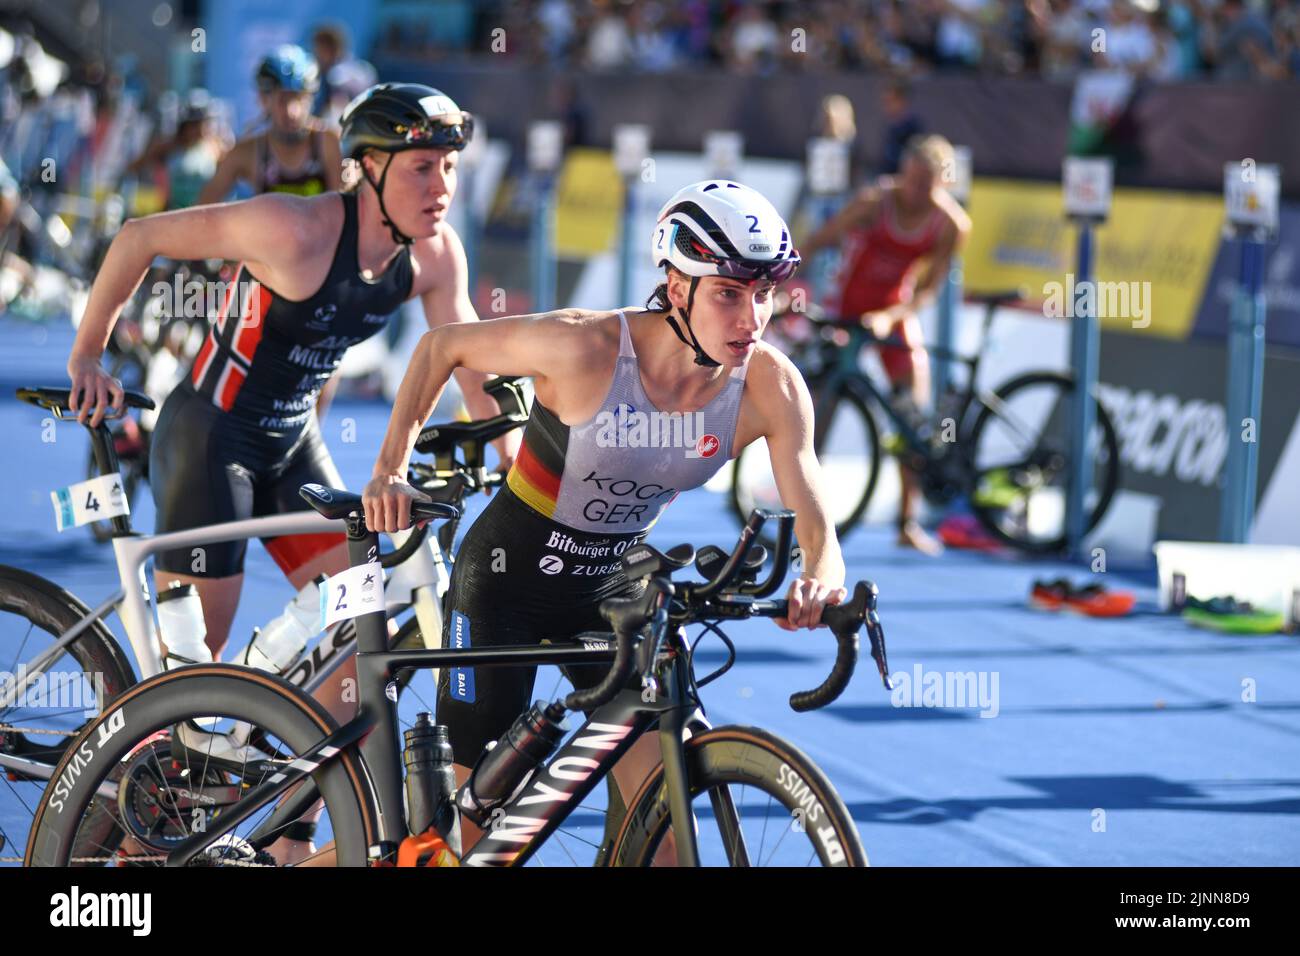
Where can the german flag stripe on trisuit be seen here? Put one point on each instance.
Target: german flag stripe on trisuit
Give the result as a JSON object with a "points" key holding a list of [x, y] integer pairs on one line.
{"points": [[539, 466]]}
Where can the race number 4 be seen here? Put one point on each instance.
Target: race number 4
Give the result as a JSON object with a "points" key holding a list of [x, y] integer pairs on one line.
{"points": [[94, 500], [351, 593]]}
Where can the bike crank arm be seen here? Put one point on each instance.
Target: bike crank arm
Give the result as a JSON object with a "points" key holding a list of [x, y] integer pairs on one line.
{"points": [[279, 782]]}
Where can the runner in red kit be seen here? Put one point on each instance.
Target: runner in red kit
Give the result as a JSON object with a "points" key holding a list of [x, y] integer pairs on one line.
{"points": [[897, 239]]}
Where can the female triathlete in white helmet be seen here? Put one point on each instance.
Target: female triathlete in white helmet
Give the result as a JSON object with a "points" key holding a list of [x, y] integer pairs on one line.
{"points": [[626, 417]]}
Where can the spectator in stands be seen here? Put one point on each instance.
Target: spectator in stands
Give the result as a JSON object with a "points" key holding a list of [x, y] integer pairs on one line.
{"points": [[1168, 64], [609, 45], [1162, 39], [957, 43], [883, 43], [1238, 42], [1183, 18], [559, 28], [1130, 44], [1062, 32], [652, 45], [1286, 38], [902, 124], [752, 40]]}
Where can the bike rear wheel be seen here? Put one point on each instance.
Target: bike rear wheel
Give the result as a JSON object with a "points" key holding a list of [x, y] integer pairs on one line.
{"points": [[38, 726], [1020, 455], [757, 801], [138, 793], [847, 443]]}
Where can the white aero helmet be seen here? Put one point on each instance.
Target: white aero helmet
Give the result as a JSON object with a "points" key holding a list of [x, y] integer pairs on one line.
{"points": [[720, 228]]}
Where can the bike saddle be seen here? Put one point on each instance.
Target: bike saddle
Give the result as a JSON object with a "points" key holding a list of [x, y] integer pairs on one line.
{"points": [[56, 399], [336, 503], [508, 390], [445, 438]]}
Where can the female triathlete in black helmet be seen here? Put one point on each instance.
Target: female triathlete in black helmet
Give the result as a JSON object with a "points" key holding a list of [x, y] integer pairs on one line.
{"points": [[238, 436]]}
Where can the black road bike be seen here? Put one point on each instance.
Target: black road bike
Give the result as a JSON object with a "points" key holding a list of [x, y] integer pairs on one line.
{"points": [[1006, 449], [737, 796]]}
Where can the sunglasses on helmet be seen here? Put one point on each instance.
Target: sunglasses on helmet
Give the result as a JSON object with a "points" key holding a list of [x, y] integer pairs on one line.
{"points": [[437, 135], [744, 270], [750, 270]]}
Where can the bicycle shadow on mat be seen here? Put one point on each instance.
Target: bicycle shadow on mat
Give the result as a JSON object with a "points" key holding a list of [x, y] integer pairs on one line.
{"points": [[1084, 793]]}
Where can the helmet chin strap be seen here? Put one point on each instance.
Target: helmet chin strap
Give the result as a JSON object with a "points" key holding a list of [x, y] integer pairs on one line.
{"points": [[701, 357], [399, 237]]}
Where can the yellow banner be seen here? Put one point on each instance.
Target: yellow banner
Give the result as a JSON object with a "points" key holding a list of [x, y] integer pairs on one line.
{"points": [[588, 204], [1157, 249]]}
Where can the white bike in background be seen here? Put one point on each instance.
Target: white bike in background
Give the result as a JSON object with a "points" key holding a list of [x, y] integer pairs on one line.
{"points": [[60, 664]]}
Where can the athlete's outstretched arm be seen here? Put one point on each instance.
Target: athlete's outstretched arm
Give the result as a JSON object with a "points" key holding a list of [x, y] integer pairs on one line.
{"points": [[787, 412], [230, 169], [266, 229], [541, 346]]}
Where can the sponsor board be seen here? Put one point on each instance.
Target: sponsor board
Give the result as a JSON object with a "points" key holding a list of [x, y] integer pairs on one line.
{"points": [[1281, 285], [1166, 238], [1166, 400]]}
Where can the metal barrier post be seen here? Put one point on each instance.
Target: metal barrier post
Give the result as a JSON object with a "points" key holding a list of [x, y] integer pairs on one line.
{"points": [[950, 293], [631, 147], [1087, 203], [545, 152], [1251, 200]]}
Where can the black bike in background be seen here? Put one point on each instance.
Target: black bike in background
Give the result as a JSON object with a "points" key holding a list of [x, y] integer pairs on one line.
{"points": [[737, 796], [1007, 450]]}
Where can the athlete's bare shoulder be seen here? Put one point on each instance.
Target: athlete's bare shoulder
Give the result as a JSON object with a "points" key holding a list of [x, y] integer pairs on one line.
{"points": [[866, 203], [314, 222], [772, 374], [439, 259], [598, 329]]}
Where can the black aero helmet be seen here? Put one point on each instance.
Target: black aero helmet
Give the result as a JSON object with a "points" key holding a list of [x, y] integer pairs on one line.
{"points": [[393, 117]]}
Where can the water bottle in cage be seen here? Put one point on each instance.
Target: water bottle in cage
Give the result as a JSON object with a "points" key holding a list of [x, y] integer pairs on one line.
{"points": [[277, 647]]}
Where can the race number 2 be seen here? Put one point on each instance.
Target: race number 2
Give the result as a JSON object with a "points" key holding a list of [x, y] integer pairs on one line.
{"points": [[351, 593], [96, 499]]}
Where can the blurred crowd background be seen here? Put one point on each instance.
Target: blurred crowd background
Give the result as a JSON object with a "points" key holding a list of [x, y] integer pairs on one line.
{"points": [[1182, 39], [118, 108]]}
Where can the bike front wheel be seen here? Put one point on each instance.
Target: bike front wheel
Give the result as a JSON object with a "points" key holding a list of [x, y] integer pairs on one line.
{"points": [[757, 801], [1020, 462]]}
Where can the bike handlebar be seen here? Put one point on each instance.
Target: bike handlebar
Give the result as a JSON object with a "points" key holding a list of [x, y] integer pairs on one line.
{"points": [[627, 616], [720, 599]]}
